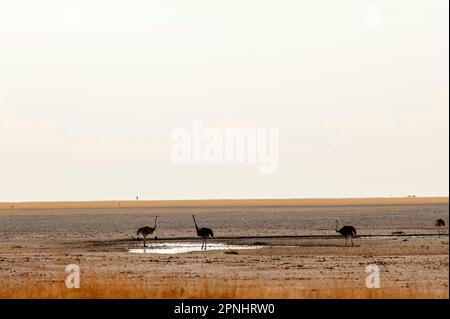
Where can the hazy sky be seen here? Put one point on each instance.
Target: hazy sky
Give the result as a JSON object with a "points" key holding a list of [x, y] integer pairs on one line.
{"points": [[91, 90]]}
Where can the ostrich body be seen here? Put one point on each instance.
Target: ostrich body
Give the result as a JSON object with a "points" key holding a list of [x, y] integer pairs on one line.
{"points": [[204, 233], [347, 232], [439, 223], [145, 231]]}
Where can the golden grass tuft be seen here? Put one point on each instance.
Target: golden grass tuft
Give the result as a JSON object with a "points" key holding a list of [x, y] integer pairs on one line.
{"points": [[121, 288]]}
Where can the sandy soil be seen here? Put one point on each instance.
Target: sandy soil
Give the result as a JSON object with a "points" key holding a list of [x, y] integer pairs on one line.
{"points": [[300, 245]]}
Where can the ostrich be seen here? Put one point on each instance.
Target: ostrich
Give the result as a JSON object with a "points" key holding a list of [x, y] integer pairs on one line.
{"points": [[203, 232], [440, 223], [145, 231], [347, 232]]}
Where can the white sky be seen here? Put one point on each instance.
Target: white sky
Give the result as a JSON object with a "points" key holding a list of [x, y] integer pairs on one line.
{"points": [[90, 91]]}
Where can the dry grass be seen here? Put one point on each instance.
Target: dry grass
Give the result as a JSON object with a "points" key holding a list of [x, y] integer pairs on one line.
{"points": [[13, 208], [118, 288]]}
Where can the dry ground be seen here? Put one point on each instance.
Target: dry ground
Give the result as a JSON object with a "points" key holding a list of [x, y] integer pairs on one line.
{"points": [[38, 241]]}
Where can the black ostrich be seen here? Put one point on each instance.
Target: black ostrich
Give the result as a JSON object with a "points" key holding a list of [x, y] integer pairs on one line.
{"points": [[203, 232], [145, 231], [347, 232], [440, 223]]}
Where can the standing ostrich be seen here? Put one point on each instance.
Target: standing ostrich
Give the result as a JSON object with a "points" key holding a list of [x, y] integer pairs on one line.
{"points": [[347, 232], [203, 232], [145, 231], [440, 223]]}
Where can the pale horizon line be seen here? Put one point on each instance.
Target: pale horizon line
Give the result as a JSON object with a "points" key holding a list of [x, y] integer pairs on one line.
{"points": [[286, 200]]}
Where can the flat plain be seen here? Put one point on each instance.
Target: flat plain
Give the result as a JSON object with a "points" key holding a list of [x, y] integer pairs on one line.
{"points": [[296, 254]]}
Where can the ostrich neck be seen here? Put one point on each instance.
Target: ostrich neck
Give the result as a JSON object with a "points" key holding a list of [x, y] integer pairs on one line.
{"points": [[195, 223]]}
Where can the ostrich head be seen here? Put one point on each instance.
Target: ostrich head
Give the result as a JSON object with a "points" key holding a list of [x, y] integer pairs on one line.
{"points": [[337, 223]]}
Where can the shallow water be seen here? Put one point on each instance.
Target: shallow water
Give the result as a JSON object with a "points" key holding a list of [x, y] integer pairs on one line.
{"points": [[182, 248]]}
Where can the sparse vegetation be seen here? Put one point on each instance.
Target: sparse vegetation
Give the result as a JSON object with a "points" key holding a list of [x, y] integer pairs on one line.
{"points": [[207, 288]]}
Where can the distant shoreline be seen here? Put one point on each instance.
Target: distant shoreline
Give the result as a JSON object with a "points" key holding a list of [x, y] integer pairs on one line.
{"points": [[11, 206]]}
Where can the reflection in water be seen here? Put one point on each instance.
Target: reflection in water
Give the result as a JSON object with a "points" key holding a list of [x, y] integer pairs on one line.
{"points": [[181, 248]]}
